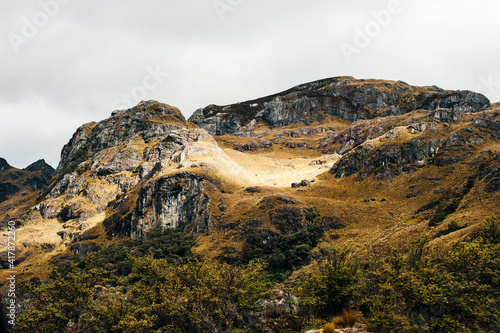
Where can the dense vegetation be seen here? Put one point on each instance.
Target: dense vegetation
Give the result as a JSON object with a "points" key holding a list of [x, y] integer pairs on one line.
{"points": [[157, 285], [282, 253]]}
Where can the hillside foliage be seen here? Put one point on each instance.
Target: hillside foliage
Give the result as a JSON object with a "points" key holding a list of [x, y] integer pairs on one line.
{"points": [[150, 285]]}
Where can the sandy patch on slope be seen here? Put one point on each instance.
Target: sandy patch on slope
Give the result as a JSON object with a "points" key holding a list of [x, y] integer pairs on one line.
{"points": [[277, 172]]}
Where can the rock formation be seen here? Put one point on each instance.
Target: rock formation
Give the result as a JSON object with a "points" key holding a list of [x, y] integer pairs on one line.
{"points": [[342, 97], [120, 167]]}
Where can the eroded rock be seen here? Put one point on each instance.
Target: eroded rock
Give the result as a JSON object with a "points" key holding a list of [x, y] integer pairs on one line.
{"points": [[171, 201]]}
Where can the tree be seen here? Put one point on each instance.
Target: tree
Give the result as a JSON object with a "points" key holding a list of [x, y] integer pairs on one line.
{"points": [[196, 296], [58, 304]]}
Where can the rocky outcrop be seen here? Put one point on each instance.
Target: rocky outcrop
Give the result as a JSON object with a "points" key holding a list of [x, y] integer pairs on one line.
{"points": [[45, 174], [148, 120], [42, 166], [387, 160], [218, 124], [126, 166], [280, 302], [365, 130], [82, 249], [489, 120], [457, 146], [4, 166], [252, 146], [121, 144], [343, 97], [444, 115], [171, 201], [355, 135], [49, 209], [387, 156]]}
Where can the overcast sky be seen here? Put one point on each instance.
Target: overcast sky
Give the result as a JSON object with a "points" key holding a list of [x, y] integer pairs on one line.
{"points": [[67, 62]]}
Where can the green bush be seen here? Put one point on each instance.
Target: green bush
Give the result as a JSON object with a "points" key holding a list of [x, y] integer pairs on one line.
{"points": [[169, 244], [160, 285], [283, 253], [457, 291], [490, 230], [328, 288]]}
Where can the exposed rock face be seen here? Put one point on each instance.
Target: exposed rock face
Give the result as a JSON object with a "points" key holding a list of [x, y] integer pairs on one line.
{"points": [[120, 143], [126, 167], [355, 135], [49, 209], [445, 115], [171, 201], [41, 165], [489, 121], [217, 125], [149, 120], [343, 97], [252, 146], [280, 301], [82, 249], [387, 156], [4, 165], [388, 160]]}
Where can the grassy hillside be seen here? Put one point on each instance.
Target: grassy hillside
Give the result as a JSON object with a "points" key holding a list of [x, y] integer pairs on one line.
{"points": [[307, 224]]}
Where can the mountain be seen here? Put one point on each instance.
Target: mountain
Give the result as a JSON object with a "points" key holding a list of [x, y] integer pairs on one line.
{"points": [[18, 188], [356, 150], [342, 97], [369, 163]]}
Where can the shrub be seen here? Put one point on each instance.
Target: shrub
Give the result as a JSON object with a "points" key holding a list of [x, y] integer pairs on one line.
{"points": [[329, 328], [283, 253], [311, 213], [349, 318], [452, 227], [490, 231], [327, 289]]}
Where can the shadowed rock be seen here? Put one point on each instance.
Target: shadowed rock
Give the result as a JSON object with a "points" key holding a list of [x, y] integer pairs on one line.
{"points": [[343, 97]]}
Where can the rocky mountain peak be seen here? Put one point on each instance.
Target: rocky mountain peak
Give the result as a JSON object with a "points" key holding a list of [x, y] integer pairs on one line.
{"points": [[149, 120], [40, 165], [372, 163], [22, 182], [128, 161], [4, 165], [342, 97], [150, 110]]}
